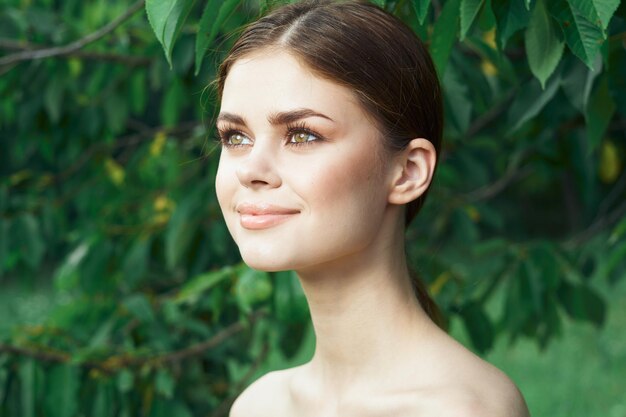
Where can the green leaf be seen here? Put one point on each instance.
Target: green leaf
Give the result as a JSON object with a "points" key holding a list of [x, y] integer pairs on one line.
{"points": [[517, 309], [138, 94], [543, 257], [575, 75], [582, 303], [179, 231], [164, 383], [125, 381], [139, 306], [615, 260], [421, 9], [619, 230], [116, 112], [66, 276], [53, 97], [469, 10], [5, 228], [136, 261], [214, 15], [102, 336], [445, 33], [194, 288], [458, 105], [168, 408], [167, 18], [173, 103], [543, 45], [28, 236], [599, 113], [61, 396], [27, 374], [479, 327], [93, 269], [617, 81], [4, 376], [104, 402], [529, 272], [531, 99], [597, 11], [583, 36], [252, 286]]}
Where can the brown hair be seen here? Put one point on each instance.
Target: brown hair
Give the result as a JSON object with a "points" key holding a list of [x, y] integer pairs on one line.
{"points": [[360, 46]]}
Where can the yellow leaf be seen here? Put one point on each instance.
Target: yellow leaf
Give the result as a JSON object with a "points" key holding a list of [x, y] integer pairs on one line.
{"points": [[160, 219], [472, 213], [490, 38], [163, 204], [610, 164], [45, 180], [440, 281], [115, 171], [76, 67], [156, 147], [488, 68], [20, 176]]}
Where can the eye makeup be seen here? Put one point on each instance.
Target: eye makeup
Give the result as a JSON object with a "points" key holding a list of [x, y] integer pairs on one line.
{"points": [[232, 137]]}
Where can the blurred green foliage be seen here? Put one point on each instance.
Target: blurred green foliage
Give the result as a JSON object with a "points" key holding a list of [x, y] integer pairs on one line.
{"points": [[107, 168]]}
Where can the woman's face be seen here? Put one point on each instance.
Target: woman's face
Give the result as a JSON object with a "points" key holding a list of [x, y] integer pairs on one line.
{"points": [[302, 178]]}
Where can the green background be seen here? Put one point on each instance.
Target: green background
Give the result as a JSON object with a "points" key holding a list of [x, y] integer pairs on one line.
{"points": [[122, 293]]}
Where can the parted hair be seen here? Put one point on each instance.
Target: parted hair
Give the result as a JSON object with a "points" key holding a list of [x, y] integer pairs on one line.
{"points": [[360, 46]]}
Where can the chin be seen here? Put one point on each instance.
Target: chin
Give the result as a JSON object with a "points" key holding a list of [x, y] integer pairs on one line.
{"points": [[266, 259], [267, 265]]}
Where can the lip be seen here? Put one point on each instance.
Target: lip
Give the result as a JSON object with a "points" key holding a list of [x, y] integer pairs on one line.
{"points": [[257, 216]]}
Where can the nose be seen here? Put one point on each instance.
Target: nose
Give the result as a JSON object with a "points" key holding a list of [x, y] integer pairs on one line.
{"points": [[258, 169]]}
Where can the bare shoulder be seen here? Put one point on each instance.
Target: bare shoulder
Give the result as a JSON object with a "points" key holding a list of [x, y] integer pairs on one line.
{"points": [[488, 394], [468, 386], [263, 396], [504, 400]]}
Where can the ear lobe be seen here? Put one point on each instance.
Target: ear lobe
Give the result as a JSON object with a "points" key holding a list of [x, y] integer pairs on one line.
{"points": [[415, 168]]}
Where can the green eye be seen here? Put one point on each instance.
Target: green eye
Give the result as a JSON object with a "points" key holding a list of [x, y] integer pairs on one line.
{"points": [[237, 139], [302, 137]]}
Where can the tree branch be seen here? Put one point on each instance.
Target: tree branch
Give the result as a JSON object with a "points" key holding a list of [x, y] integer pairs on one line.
{"points": [[114, 363], [121, 142], [199, 348], [513, 173], [492, 114], [131, 60], [598, 225], [45, 356], [30, 55]]}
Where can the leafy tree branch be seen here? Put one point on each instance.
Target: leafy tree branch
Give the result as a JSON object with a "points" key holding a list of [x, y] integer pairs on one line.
{"points": [[30, 55]]}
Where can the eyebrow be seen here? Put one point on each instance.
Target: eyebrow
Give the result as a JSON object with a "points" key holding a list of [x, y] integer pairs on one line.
{"points": [[232, 118], [282, 118], [279, 118]]}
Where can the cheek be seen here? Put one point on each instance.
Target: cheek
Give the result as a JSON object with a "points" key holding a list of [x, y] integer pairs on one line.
{"points": [[354, 183], [224, 183]]}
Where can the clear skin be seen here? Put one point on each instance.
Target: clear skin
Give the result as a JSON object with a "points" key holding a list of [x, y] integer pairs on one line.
{"points": [[331, 208]]}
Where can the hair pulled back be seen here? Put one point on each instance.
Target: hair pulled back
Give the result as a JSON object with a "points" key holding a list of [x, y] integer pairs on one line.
{"points": [[358, 45]]}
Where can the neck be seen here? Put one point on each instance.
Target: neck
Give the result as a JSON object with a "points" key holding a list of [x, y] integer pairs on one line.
{"points": [[365, 315]]}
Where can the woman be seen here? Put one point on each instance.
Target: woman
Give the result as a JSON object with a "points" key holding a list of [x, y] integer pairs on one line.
{"points": [[331, 124]]}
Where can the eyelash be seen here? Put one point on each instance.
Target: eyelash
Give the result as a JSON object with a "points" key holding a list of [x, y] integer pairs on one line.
{"points": [[225, 132], [302, 127]]}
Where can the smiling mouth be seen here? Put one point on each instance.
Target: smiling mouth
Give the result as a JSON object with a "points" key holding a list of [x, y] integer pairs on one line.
{"points": [[263, 216]]}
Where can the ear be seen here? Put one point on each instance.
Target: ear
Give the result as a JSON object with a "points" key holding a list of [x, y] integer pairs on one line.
{"points": [[413, 171]]}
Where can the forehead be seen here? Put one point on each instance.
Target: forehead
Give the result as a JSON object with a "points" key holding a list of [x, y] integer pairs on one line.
{"points": [[272, 80]]}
